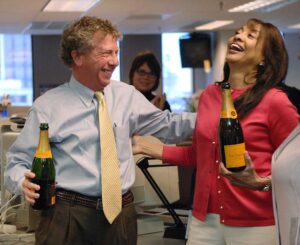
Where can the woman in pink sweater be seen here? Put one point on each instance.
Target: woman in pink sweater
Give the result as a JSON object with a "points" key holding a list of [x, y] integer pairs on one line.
{"points": [[236, 208]]}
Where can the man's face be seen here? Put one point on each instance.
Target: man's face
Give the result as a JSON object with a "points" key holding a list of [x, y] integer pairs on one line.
{"points": [[96, 67]]}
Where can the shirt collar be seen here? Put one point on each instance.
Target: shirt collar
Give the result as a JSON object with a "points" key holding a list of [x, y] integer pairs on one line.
{"points": [[85, 94]]}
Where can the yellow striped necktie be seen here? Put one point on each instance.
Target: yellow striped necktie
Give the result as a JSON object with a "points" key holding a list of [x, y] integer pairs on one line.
{"points": [[110, 172]]}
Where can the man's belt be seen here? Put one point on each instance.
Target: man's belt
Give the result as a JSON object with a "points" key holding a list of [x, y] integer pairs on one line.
{"points": [[75, 198]]}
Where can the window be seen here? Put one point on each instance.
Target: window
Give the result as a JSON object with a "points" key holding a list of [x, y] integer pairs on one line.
{"points": [[177, 81], [16, 68], [116, 74]]}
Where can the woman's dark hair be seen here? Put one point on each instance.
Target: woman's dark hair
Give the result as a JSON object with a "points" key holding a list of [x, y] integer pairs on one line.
{"points": [[269, 75], [293, 94], [149, 59]]}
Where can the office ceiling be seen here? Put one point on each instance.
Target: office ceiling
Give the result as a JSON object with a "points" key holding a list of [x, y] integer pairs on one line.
{"points": [[140, 16]]}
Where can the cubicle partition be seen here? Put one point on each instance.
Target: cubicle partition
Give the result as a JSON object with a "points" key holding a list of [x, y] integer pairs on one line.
{"points": [[7, 137], [23, 216]]}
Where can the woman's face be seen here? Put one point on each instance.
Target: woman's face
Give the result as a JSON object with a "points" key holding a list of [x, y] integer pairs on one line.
{"points": [[244, 48], [144, 79]]}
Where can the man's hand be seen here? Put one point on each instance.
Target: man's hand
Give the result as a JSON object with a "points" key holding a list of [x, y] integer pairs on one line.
{"points": [[247, 178], [29, 188]]}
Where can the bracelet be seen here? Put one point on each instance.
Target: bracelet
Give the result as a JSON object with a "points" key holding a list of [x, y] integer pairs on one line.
{"points": [[268, 186]]}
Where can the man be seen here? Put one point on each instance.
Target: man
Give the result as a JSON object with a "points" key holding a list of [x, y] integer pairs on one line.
{"points": [[89, 48]]}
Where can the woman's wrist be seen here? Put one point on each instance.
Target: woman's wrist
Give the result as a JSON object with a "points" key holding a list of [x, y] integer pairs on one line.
{"points": [[151, 149], [266, 183]]}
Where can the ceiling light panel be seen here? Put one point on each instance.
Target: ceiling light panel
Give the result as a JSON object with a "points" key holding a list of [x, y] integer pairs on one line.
{"points": [[296, 26], [278, 5], [213, 25], [253, 5], [69, 5]]}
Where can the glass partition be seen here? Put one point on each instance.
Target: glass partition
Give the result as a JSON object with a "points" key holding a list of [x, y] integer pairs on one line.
{"points": [[177, 81]]}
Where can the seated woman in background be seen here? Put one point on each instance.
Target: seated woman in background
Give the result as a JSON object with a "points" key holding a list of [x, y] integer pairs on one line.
{"points": [[236, 207], [144, 75], [286, 189]]}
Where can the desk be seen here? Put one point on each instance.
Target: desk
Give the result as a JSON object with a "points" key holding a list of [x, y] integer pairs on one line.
{"points": [[5, 121]]}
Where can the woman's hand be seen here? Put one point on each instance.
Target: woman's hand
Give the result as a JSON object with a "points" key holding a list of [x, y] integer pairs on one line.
{"points": [[247, 178], [143, 145], [159, 101], [29, 188], [136, 141]]}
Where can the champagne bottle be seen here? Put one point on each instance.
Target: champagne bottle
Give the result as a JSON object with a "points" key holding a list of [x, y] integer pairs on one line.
{"points": [[231, 139], [44, 170]]}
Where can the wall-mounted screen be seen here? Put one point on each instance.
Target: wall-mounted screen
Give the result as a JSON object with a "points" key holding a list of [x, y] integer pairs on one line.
{"points": [[194, 49]]}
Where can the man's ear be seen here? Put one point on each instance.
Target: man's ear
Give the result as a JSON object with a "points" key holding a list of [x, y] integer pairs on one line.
{"points": [[77, 58]]}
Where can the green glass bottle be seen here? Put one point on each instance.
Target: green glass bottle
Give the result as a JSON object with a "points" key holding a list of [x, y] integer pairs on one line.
{"points": [[44, 170], [231, 139]]}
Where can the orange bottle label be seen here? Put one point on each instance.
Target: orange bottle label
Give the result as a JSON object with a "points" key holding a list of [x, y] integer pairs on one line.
{"points": [[46, 154], [235, 155], [229, 114]]}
